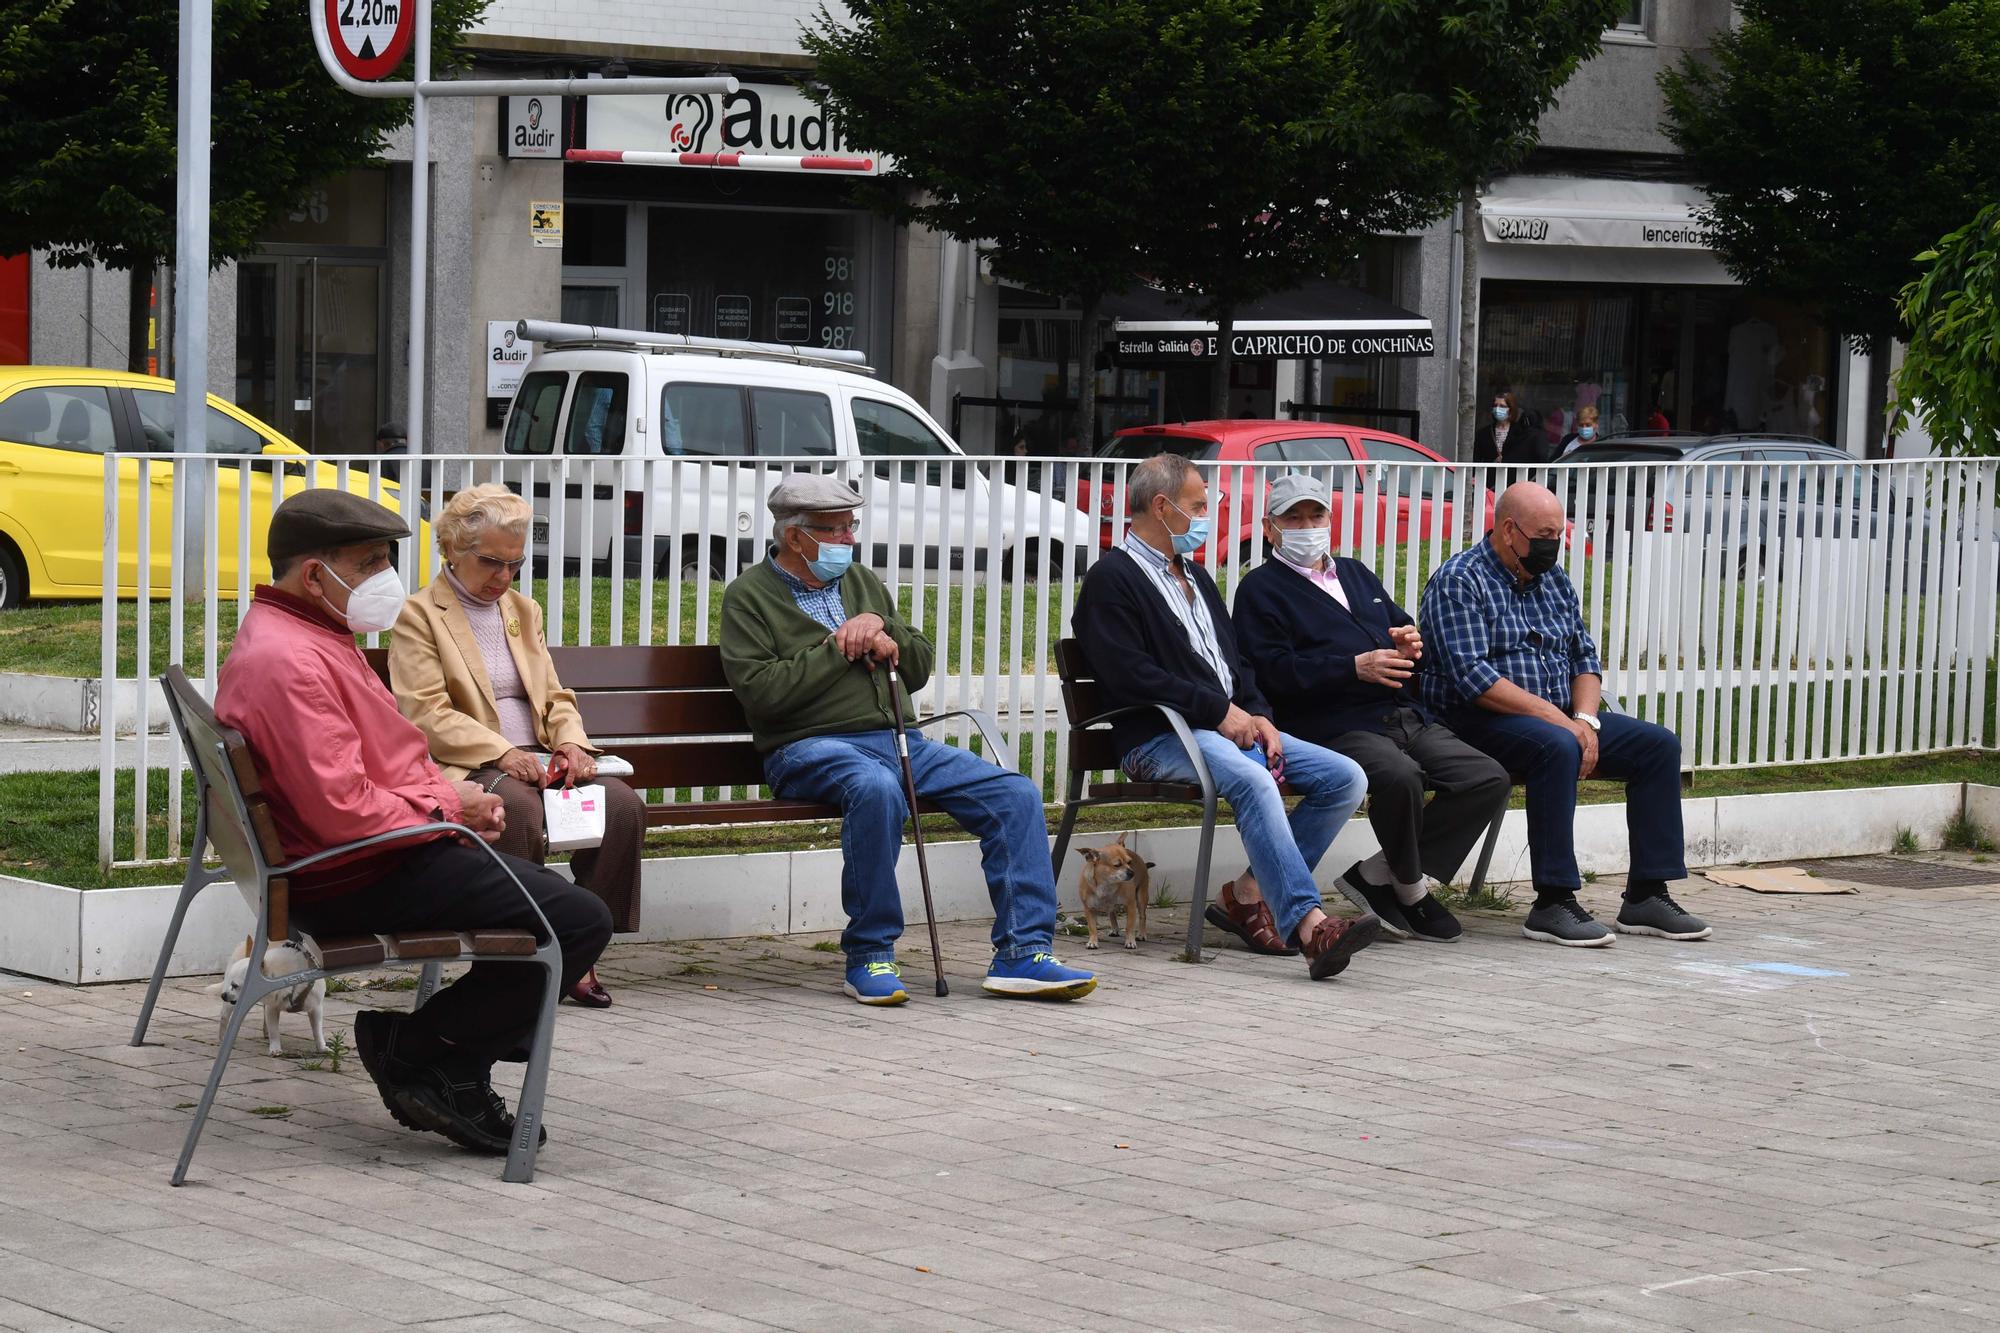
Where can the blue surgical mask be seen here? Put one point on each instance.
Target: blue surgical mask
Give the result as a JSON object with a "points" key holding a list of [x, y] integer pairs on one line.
{"points": [[1586, 432], [831, 563], [1499, 414], [1196, 537]]}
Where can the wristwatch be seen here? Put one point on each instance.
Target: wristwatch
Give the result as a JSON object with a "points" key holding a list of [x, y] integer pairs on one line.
{"points": [[1588, 720]]}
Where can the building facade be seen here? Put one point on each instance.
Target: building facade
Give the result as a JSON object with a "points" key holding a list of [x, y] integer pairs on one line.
{"points": [[1594, 286]]}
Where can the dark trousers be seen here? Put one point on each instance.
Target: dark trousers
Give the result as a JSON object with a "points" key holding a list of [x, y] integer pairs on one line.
{"points": [[444, 885], [610, 870], [1646, 757], [1402, 761]]}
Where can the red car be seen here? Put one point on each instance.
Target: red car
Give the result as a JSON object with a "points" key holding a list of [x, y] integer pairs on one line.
{"points": [[1310, 445]]}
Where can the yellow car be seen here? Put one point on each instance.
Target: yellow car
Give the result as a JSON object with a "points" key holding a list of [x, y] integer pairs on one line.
{"points": [[56, 425]]}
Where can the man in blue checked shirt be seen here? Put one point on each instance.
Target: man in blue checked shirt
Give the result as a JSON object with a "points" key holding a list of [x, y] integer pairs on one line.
{"points": [[1515, 673]]}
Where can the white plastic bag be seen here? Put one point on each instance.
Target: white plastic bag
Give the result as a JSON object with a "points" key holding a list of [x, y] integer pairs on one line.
{"points": [[573, 817]]}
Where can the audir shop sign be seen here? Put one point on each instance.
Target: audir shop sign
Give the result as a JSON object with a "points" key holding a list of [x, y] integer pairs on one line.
{"points": [[1144, 349]]}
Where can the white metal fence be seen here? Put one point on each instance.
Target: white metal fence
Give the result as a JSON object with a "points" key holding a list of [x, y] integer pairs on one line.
{"points": [[1769, 613]]}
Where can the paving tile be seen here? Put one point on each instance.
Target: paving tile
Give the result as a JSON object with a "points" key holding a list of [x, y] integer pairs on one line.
{"points": [[1492, 1136]]}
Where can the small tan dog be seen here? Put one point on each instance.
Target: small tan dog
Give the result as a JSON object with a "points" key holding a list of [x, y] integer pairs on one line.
{"points": [[1114, 876]]}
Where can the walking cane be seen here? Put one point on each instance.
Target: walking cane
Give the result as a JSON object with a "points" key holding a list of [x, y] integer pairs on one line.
{"points": [[916, 823]]}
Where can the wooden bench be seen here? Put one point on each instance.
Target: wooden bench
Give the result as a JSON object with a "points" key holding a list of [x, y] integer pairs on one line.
{"points": [[669, 711]]}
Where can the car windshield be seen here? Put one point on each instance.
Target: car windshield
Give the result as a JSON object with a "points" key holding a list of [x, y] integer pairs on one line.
{"points": [[1618, 453]]}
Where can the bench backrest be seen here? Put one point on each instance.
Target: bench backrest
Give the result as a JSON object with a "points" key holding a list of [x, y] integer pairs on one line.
{"points": [[674, 696], [237, 819], [1090, 749]]}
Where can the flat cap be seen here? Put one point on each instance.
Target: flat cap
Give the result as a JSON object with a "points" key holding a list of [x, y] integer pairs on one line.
{"points": [[1291, 489], [813, 493], [322, 519]]}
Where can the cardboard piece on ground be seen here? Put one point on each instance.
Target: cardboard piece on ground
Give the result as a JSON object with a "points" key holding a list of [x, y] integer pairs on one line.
{"points": [[1775, 879]]}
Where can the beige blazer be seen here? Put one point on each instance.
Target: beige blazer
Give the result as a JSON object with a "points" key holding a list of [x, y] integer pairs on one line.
{"points": [[440, 680]]}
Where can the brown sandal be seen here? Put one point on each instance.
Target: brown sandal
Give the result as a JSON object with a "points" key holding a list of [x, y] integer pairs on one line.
{"points": [[1250, 922]]}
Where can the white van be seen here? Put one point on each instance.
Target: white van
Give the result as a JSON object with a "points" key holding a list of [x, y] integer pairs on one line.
{"points": [[612, 403]]}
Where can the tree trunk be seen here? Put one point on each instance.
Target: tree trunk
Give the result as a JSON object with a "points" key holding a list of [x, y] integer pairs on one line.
{"points": [[138, 315], [1468, 322], [1225, 361], [1086, 375], [1877, 441]]}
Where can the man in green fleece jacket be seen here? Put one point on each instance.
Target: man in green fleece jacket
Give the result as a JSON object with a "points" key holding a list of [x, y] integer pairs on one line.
{"points": [[804, 634]]}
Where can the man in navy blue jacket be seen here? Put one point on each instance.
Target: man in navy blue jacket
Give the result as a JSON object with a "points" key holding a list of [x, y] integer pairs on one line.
{"points": [[1337, 656], [1155, 632]]}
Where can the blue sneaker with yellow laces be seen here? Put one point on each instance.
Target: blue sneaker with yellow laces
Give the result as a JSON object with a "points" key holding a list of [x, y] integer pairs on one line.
{"points": [[876, 983], [1037, 977]]}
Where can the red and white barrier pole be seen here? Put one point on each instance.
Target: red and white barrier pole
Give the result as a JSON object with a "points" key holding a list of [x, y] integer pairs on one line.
{"points": [[864, 166]]}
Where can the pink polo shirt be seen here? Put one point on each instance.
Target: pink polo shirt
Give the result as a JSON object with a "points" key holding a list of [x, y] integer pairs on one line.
{"points": [[337, 760], [1327, 580]]}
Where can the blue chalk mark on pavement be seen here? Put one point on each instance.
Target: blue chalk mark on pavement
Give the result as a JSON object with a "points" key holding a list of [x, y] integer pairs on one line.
{"points": [[1790, 969]]}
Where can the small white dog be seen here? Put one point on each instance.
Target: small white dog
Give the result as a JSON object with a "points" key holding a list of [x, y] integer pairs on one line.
{"points": [[279, 960]]}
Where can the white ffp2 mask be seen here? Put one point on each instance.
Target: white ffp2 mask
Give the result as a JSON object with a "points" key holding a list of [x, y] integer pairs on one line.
{"points": [[1305, 546], [374, 605]]}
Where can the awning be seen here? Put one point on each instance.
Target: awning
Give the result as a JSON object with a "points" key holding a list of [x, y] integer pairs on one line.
{"points": [[1567, 210], [1316, 319]]}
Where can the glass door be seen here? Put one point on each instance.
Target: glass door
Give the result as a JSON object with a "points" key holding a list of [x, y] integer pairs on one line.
{"points": [[309, 349]]}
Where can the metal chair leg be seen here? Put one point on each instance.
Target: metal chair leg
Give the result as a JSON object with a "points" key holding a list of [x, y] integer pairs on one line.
{"points": [[1486, 853], [428, 983], [250, 998], [197, 879], [1072, 802], [1198, 899], [535, 1080]]}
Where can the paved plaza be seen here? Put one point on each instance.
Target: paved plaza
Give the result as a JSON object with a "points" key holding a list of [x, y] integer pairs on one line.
{"points": [[1790, 1126]]}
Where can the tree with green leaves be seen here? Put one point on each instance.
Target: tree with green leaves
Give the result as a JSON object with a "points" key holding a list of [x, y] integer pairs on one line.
{"points": [[1463, 85], [87, 128], [1951, 371], [1838, 141]]}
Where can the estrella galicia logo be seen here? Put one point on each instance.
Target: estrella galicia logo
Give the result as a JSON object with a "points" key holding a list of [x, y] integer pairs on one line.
{"points": [[534, 113], [689, 117]]}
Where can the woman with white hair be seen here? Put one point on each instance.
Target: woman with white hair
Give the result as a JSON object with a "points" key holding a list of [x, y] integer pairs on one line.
{"points": [[470, 667]]}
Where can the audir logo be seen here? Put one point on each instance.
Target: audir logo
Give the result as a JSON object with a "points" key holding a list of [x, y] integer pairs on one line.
{"points": [[689, 117]]}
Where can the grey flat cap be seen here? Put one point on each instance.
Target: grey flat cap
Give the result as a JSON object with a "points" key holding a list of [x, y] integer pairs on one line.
{"points": [[813, 493], [324, 519], [1292, 488]]}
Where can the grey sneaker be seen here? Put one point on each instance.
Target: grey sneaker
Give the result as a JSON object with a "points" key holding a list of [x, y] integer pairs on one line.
{"points": [[1565, 922], [1661, 915]]}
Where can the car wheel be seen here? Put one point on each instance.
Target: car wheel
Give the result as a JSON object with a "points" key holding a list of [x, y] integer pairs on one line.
{"points": [[1750, 564], [1031, 561], [692, 564], [13, 578]]}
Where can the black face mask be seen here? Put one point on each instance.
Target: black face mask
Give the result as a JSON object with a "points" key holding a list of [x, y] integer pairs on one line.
{"points": [[1543, 552]]}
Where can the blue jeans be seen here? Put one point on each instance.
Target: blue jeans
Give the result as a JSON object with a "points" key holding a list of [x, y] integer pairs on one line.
{"points": [[1645, 756], [861, 774], [1283, 849]]}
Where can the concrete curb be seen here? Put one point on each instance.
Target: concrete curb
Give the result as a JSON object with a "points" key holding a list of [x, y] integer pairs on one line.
{"points": [[102, 935]]}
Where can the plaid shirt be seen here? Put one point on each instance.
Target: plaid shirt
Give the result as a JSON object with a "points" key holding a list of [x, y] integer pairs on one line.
{"points": [[822, 604], [1481, 627]]}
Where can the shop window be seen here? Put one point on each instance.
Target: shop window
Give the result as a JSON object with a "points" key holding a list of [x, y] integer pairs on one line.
{"points": [[72, 417], [537, 405], [1631, 20], [792, 423], [597, 415], [704, 419], [594, 236], [226, 435]]}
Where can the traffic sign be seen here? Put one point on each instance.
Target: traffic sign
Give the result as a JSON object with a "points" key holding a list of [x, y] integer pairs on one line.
{"points": [[370, 37]]}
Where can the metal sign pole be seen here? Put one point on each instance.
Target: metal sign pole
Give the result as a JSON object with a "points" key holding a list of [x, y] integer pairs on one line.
{"points": [[420, 248], [191, 260]]}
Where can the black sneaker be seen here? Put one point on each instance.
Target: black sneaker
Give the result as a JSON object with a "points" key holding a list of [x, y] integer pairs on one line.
{"points": [[1565, 922], [457, 1100], [1658, 914], [1431, 920], [375, 1032], [1377, 899]]}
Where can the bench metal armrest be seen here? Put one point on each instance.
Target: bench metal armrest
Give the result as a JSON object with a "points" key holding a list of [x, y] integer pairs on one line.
{"points": [[1180, 729], [402, 834], [989, 731]]}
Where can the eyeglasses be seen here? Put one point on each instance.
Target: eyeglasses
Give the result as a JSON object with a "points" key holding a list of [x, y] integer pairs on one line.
{"points": [[839, 530], [513, 567]]}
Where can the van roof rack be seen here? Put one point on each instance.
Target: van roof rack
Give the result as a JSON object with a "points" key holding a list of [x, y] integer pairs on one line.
{"points": [[556, 334]]}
